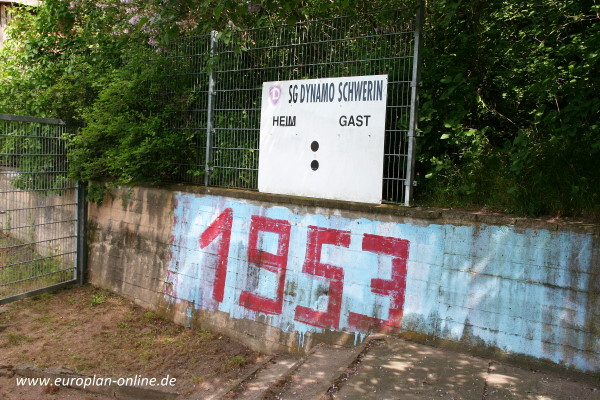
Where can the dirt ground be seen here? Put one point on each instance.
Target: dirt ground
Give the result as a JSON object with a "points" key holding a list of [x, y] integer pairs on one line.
{"points": [[94, 332]]}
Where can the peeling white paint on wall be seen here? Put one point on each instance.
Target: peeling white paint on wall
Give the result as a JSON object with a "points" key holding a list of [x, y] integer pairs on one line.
{"points": [[523, 291]]}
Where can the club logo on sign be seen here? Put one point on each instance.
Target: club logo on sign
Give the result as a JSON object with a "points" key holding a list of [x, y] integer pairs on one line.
{"points": [[275, 94]]}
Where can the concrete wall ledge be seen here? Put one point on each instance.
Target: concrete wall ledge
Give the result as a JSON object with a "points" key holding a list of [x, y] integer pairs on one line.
{"points": [[283, 273], [429, 214]]}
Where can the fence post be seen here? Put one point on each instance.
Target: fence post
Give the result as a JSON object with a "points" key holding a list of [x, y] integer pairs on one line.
{"points": [[209, 114], [81, 270], [414, 103]]}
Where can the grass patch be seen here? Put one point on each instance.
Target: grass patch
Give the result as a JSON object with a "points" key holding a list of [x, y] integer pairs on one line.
{"points": [[144, 343], [150, 316], [23, 269], [15, 339], [117, 339], [236, 361], [42, 296], [97, 299], [45, 319], [205, 336], [147, 355]]}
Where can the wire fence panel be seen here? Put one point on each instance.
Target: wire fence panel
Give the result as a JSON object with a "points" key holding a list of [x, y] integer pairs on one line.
{"points": [[38, 207], [189, 64], [239, 63]]}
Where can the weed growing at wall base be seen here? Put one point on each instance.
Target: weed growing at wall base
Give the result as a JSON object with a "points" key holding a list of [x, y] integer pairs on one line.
{"points": [[97, 299]]}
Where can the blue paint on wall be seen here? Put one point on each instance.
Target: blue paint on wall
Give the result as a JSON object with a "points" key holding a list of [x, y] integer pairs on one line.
{"points": [[524, 291]]}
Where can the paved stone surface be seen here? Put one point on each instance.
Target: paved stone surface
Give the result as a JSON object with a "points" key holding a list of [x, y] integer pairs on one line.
{"points": [[395, 369], [508, 382], [312, 379], [389, 368], [257, 388]]}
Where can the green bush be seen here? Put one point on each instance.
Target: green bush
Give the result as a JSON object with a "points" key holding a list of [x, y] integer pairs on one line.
{"points": [[129, 135], [58, 56], [510, 106], [509, 101]]}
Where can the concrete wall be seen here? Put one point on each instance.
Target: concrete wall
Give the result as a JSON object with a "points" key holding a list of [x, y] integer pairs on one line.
{"points": [[43, 219], [283, 273]]}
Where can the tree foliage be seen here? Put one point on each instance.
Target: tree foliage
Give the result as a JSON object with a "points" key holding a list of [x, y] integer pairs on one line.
{"points": [[95, 63], [510, 106], [129, 134], [58, 56], [509, 97]]}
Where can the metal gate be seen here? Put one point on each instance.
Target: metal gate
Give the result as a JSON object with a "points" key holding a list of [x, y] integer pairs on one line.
{"points": [[41, 210]]}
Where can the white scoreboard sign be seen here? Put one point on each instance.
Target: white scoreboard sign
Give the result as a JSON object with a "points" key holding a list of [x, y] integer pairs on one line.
{"points": [[323, 138]]}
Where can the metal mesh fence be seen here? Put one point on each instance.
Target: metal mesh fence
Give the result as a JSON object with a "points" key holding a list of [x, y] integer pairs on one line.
{"points": [[229, 71], [38, 206], [190, 57]]}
